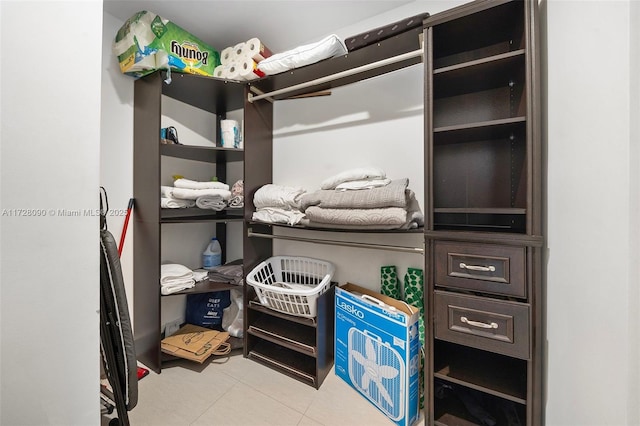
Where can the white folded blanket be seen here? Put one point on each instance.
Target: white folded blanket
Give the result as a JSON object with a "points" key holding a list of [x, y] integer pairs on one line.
{"points": [[193, 194], [283, 197], [192, 184], [360, 173], [211, 202], [173, 203], [363, 184], [278, 215]]}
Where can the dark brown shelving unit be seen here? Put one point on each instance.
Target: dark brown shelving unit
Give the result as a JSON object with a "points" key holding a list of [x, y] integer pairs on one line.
{"points": [[483, 214], [212, 95], [299, 347]]}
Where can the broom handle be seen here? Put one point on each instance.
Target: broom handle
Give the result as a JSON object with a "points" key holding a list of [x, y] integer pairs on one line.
{"points": [[124, 228]]}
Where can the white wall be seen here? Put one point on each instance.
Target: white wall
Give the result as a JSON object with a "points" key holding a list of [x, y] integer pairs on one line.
{"points": [[592, 300], [49, 363]]}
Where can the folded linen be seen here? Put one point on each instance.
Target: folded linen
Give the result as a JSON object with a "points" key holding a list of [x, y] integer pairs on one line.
{"points": [[231, 273], [211, 202], [166, 191], [359, 173], [200, 274], [362, 184], [174, 278], [194, 194], [366, 219], [174, 271], [392, 195], [278, 215], [280, 196], [236, 202], [176, 287], [173, 203], [237, 188], [192, 184]]}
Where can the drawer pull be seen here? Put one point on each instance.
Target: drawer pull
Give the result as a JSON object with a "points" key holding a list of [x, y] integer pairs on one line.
{"points": [[489, 268], [478, 324]]}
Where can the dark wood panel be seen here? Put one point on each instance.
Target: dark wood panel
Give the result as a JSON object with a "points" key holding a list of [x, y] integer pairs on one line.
{"points": [[195, 214], [146, 216], [208, 93]]}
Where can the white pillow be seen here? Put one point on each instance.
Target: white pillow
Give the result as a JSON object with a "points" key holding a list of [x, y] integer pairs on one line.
{"points": [[328, 47], [351, 175]]}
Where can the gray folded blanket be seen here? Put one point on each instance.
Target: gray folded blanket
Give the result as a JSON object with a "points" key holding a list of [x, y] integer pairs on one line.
{"points": [[393, 195], [367, 219]]}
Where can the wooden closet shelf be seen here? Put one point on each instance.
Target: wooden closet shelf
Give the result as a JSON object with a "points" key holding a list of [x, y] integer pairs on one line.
{"points": [[484, 65], [474, 210], [195, 214], [202, 153], [206, 286], [480, 126]]}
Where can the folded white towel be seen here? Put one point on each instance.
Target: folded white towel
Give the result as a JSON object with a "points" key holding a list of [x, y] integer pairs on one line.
{"points": [[278, 215], [173, 203], [176, 287], [192, 184], [200, 274], [193, 194], [351, 175], [283, 197], [363, 184], [170, 272], [166, 191], [211, 202]]}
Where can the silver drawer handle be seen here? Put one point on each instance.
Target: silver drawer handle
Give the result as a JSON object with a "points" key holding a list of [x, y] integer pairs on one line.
{"points": [[489, 268], [478, 324]]}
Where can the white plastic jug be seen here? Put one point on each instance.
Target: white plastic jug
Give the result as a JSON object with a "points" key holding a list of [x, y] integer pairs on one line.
{"points": [[212, 256]]}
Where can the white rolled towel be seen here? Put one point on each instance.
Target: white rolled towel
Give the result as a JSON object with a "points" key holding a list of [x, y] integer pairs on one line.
{"points": [[192, 184], [194, 194], [211, 202], [361, 173]]}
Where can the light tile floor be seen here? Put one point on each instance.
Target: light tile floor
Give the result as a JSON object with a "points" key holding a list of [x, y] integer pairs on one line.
{"points": [[238, 391]]}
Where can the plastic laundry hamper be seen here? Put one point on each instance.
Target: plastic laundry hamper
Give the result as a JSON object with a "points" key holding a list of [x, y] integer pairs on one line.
{"points": [[291, 284]]}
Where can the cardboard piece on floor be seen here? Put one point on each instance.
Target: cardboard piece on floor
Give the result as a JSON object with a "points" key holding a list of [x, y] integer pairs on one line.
{"points": [[194, 343]]}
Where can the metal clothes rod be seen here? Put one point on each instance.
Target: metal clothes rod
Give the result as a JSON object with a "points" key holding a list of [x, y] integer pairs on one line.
{"points": [[403, 249], [339, 75]]}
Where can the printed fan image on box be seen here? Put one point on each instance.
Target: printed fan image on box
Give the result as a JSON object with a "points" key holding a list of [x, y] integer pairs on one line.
{"points": [[376, 369]]}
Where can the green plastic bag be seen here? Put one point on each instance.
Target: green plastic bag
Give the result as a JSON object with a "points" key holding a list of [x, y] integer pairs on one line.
{"points": [[147, 42]]}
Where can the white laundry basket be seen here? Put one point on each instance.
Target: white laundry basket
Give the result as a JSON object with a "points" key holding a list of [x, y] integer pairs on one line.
{"points": [[291, 284]]}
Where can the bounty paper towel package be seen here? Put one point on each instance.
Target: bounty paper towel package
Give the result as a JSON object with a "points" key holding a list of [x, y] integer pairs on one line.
{"points": [[377, 350], [147, 42]]}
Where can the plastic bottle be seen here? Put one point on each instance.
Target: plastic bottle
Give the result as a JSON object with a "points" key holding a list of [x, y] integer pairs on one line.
{"points": [[212, 256]]}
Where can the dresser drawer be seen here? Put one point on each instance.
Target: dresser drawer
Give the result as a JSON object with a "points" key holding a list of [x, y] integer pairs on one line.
{"points": [[481, 267], [493, 325]]}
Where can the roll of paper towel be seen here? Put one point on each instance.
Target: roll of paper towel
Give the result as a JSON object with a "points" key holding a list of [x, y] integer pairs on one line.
{"points": [[255, 49], [230, 133], [238, 51], [248, 69], [233, 72], [221, 71], [227, 55]]}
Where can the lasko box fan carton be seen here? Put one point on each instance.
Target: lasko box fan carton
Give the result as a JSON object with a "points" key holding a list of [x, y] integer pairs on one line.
{"points": [[377, 350]]}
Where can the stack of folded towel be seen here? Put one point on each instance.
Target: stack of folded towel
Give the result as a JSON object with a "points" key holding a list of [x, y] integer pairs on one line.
{"points": [[189, 193], [175, 277], [278, 204], [362, 199]]}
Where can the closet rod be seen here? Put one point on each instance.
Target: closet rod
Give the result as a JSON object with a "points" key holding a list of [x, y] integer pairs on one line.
{"points": [[403, 249], [332, 77]]}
